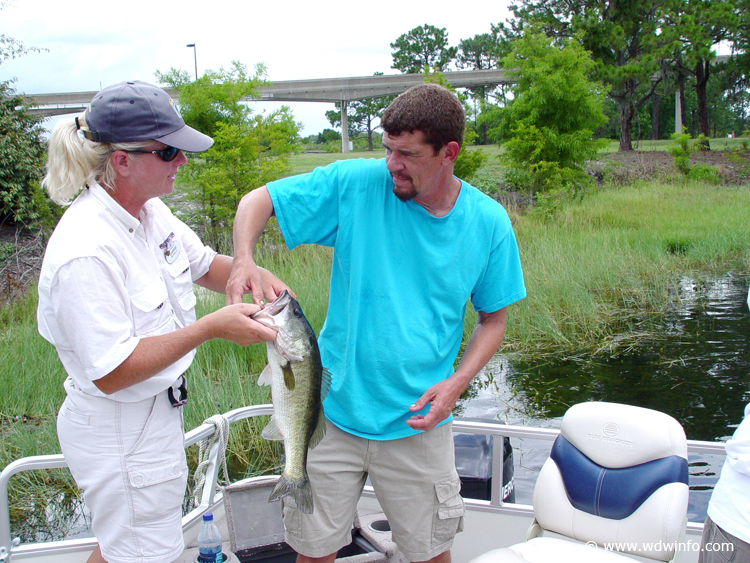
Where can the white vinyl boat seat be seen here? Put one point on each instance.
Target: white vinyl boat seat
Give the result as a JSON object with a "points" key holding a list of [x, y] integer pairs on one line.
{"points": [[615, 484]]}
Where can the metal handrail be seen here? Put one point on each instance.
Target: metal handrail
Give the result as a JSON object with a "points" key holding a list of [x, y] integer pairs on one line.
{"points": [[208, 498], [497, 429], [57, 461]]}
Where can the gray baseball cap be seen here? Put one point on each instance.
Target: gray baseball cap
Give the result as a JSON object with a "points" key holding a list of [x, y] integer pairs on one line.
{"points": [[138, 111]]}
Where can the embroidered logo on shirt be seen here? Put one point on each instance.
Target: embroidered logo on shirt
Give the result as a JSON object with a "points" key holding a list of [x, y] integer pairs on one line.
{"points": [[171, 248]]}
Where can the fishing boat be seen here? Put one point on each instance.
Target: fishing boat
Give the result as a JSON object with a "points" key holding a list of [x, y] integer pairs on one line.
{"points": [[252, 529]]}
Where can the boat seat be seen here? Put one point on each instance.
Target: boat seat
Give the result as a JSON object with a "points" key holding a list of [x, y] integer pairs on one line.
{"points": [[615, 485]]}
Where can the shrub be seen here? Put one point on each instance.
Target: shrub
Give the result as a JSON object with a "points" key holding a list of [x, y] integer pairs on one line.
{"points": [[681, 152], [468, 163], [684, 148], [548, 129], [705, 173]]}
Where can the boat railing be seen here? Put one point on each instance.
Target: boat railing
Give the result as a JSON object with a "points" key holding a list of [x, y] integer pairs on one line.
{"points": [[497, 430], [10, 546], [209, 498]]}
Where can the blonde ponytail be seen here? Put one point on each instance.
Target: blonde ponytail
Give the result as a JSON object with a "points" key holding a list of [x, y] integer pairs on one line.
{"points": [[73, 162]]}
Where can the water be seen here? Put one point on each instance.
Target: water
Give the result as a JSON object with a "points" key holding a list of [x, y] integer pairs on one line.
{"points": [[698, 371]]}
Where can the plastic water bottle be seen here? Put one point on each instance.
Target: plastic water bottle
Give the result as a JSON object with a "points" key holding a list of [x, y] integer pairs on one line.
{"points": [[209, 541]]}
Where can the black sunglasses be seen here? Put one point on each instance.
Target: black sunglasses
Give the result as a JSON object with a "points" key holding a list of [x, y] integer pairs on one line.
{"points": [[167, 155]]}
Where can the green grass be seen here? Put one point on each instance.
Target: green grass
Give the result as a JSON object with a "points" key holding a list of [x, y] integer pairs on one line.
{"points": [[307, 162]]}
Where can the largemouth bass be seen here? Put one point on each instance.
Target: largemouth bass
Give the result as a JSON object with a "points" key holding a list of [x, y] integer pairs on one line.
{"points": [[298, 386]]}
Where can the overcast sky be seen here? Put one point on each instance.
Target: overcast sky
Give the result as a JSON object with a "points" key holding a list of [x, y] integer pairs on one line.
{"points": [[94, 43]]}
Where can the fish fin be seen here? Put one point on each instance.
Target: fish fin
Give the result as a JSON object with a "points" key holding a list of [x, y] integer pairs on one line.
{"points": [[298, 489], [266, 376], [286, 369], [319, 432], [272, 430], [325, 384]]}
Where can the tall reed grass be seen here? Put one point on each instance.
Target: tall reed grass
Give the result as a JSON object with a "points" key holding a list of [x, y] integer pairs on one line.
{"points": [[604, 269]]}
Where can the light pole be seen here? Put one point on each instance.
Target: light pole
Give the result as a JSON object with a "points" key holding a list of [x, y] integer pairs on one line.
{"points": [[195, 56]]}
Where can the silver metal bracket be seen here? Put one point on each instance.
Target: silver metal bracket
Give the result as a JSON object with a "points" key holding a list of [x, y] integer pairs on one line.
{"points": [[4, 553]]}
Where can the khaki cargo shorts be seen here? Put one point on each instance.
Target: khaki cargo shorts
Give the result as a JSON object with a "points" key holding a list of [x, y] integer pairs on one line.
{"points": [[414, 478]]}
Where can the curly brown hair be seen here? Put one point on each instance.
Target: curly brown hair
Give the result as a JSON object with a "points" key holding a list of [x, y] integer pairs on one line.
{"points": [[429, 108]]}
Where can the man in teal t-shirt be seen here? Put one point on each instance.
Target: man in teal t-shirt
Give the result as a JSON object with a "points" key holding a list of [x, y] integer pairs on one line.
{"points": [[412, 244]]}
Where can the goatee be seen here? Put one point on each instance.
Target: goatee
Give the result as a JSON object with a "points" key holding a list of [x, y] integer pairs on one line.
{"points": [[404, 194]]}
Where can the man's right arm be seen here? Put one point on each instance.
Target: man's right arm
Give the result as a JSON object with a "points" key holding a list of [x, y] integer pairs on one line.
{"points": [[253, 213]]}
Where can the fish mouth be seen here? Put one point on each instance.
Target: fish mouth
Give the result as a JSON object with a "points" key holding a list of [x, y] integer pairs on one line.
{"points": [[278, 305], [266, 316]]}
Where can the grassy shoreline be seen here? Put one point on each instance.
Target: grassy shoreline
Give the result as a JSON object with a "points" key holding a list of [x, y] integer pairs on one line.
{"points": [[605, 269]]}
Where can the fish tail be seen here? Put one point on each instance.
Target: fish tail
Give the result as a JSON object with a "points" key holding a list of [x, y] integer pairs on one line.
{"points": [[299, 489]]}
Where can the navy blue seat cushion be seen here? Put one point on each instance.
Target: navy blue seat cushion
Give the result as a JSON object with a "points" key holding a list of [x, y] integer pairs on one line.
{"points": [[613, 493]]}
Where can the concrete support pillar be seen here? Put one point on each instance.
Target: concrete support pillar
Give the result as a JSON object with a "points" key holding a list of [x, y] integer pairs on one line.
{"points": [[344, 128], [677, 113]]}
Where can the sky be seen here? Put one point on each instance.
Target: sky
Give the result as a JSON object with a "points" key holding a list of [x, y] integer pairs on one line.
{"points": [[94, 43]]}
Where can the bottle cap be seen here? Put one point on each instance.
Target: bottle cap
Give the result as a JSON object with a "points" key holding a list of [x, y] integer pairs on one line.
{"points": [[207, 516]]}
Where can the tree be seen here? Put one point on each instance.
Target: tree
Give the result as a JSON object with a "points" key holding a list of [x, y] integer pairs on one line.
{"points": [[556, 109], [215, 97], [22, 147], [479, 52], [11, 48], [248, 151], [22, 151], [736, 100], [697, 26], [361, 116], [624, 38], [482, 52], [423, 47], [327, 135]]}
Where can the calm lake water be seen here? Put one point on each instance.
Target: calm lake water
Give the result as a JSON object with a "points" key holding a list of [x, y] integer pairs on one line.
{"points": [[698, 371]]}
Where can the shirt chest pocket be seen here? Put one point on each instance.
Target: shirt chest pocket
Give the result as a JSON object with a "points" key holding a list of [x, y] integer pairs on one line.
{"points": [[151, 310], [182, 282]]}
